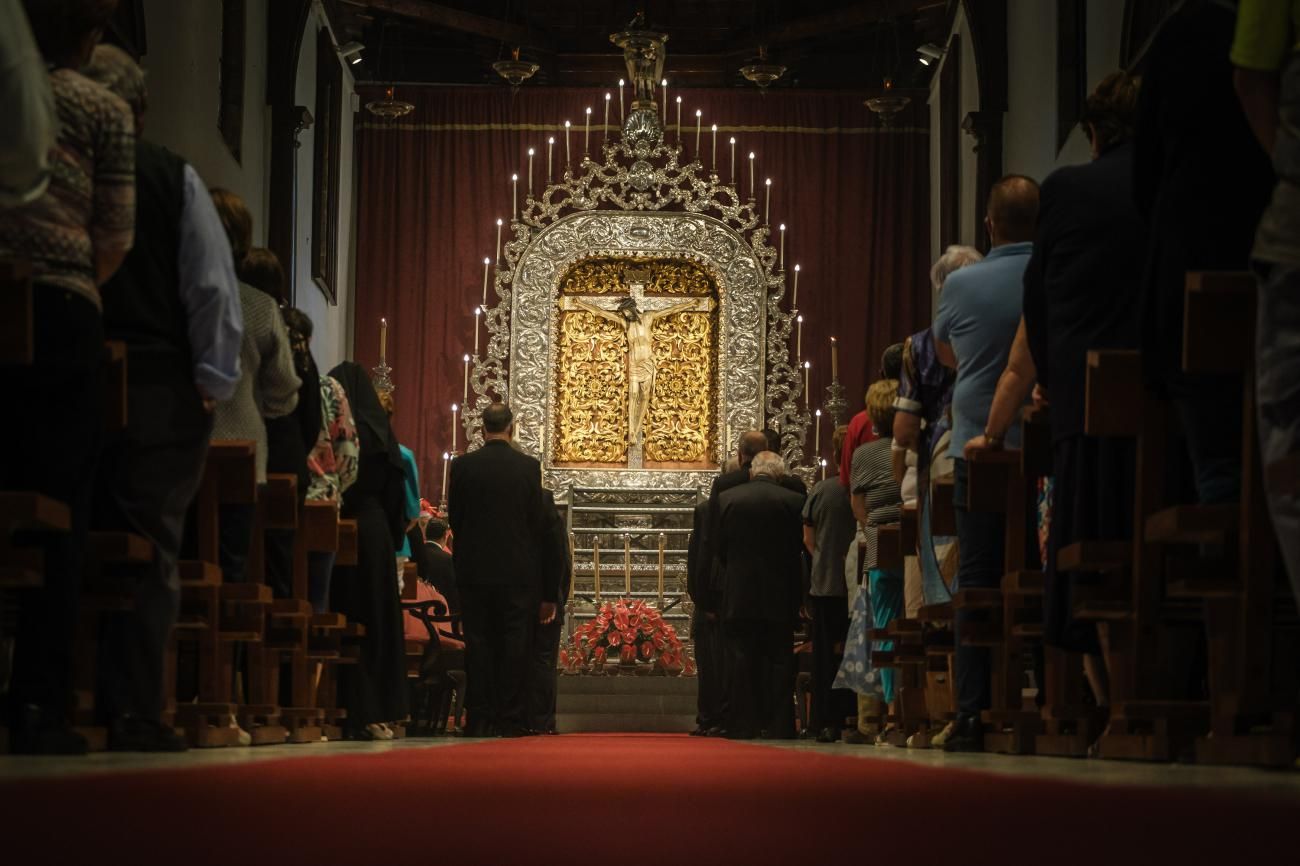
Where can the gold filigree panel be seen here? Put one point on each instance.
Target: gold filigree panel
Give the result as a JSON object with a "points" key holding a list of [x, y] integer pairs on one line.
{"points": [[592, 390], [680, 420], [660, 276]]}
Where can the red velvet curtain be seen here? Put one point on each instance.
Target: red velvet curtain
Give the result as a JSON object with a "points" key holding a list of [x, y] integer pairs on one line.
{"points": [[854, 197]]}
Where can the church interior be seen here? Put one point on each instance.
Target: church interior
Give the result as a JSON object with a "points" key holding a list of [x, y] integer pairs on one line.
{"points": [[804, 427]]}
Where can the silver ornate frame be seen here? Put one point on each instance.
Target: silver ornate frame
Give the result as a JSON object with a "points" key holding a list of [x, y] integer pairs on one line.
{"points": [[641, 199]]}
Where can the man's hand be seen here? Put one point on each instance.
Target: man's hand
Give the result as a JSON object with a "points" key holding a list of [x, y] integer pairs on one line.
{"points": [[980, 443], [208, 403], [546, 614], [1040, 397]]}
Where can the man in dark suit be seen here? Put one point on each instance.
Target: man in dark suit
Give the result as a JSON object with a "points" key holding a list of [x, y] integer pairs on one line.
{"points": [[558, 569], [706, 630], [760, 552], [433, 560], [495, 506]]}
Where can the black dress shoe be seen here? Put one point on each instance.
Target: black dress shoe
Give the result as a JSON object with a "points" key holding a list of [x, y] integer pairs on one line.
{"points": [[739, 734], [967, 735], [515, 732], [478, 730], [133, 734], [828, 735], [37, 731]]}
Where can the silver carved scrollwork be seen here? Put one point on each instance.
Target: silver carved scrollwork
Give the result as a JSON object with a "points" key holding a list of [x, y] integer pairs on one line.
{"points": [[641, 200]]}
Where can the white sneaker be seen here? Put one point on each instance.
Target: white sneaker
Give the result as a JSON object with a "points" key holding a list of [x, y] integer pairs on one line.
{"points": [[379, 732], [245, 738]]}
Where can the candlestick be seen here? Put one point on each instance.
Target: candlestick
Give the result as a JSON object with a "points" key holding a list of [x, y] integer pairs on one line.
{"points": [[514, 196], [733, 160], [817, 432], [454, 410], [664, 85], [715, 148], [807, 391], [530, 171], [620, 101], [486, 264], [606, 124], [464, 391], [566, 145], [586, 134], [783, 246], [835, 358], [550, 146], [698, 114], [497, 256], [445, 458], [798, 346], [751, 175], [383, 341], [767, 204], [794, 303], [679, 121]]}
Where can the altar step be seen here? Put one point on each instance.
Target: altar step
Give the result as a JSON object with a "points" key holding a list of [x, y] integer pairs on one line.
{"points": [[625, 704]]}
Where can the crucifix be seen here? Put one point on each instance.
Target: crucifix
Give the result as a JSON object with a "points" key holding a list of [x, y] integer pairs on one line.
{"points": [[636, 315]]}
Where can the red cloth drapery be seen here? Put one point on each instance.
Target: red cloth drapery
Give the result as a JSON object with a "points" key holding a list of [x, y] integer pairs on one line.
{"points": [[430, 186]]}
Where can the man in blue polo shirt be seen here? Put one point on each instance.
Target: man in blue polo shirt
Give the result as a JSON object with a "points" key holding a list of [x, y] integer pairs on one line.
{"points": [[979, 312]]}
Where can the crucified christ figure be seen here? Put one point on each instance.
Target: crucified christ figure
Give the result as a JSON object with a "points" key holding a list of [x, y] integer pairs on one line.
{"points": [[639, 327]]}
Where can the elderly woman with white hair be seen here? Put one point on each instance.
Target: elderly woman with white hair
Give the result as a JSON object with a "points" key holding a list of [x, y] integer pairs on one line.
{"points": [[921, 429]]}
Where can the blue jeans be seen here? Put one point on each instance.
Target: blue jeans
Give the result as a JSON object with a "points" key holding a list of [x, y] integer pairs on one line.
{"points": [[1277, 387], [982, 538], [936, 591]]}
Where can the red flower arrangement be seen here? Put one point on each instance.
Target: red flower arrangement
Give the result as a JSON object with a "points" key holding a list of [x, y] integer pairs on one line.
{"points": [[633, 632]]}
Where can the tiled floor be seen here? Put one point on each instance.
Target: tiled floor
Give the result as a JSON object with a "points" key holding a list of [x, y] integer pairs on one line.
{"points": [[1282, 783]]}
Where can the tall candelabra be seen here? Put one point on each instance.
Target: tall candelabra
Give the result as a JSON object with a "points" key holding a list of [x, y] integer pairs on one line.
{"points": [[835, 405]]}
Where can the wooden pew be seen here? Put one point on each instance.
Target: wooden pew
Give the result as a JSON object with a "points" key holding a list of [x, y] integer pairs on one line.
{"points": [[1148, 720], [998, 484], [229, 477], [1250, 618], [332, 641]]}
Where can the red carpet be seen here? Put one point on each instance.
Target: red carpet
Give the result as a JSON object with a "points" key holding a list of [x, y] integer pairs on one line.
{"points": [[625, 800]]}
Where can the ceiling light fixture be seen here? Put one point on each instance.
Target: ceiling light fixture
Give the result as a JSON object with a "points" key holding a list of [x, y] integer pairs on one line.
{"points": [[929, 52], [762, 73], [515, 71], [351, 52]]}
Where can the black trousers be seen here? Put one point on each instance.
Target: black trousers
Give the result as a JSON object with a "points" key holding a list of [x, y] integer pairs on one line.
{"points": [[710, 663], [760, 678], [149, 476], [277, 560], [830, 629], [499, 622], [542, 684], [51, 446]]}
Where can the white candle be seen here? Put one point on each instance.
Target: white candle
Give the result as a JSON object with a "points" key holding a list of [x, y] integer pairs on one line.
{"points": [[620, 101], [486, 264], [586, 134], [606, 117], [807, 390], [464, 391], [823, 469], [478, 311], [664, 85], [566, 145], [715, 148], [698, 114], [383, 340], [733, 160], [835, 359], [530, 171], [794, 303], [817, 432], [454, 410], [550, 146], [514, 195], [798, 345], [783, 246], [679, 121], [445, 458], [751, 175], [500, 222], [767, 205]]}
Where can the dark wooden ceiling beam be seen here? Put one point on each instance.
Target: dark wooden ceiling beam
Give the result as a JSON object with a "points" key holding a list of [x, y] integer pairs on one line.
{"points": [[849, 18], [437, 15]]}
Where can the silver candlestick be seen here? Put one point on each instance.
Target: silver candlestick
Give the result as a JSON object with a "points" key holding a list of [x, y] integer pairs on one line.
{"points": [[835, 405]]}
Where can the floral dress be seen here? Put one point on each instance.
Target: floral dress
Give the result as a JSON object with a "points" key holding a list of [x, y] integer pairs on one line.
{"points": [[333, 462]]}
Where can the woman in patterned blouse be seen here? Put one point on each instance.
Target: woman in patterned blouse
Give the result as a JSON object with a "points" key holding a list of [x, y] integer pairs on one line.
{"points": [[333, 467]]}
